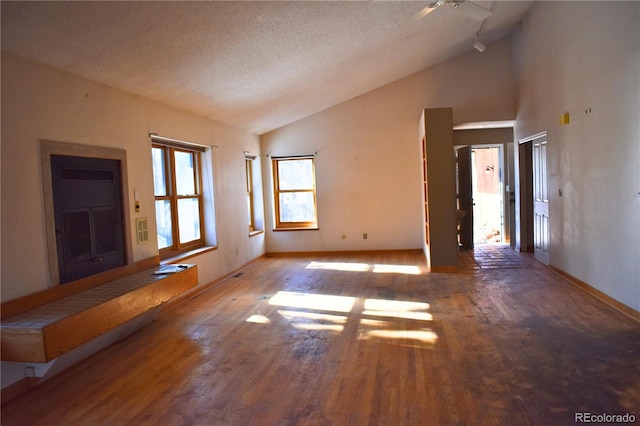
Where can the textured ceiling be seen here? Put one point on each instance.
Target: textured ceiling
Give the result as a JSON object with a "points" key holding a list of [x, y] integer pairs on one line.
{"points": [[254, 65]]}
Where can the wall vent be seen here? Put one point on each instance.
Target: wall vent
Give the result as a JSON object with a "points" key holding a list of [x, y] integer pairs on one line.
{"points": [[142, 230]]}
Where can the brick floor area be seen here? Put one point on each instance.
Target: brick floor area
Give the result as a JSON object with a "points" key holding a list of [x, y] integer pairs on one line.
{"points": [[494, 256]]}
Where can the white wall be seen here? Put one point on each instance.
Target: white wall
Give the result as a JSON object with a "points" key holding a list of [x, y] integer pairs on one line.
{"points": [[584, 58], [40, 103], [368, 155]]}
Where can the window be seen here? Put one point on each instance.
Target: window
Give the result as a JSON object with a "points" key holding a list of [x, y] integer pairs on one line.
{"points": [[295, 193], [250, 194], [177, 183], [253, 184]]}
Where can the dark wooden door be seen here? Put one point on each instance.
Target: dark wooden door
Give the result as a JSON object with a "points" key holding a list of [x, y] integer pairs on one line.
{"points": [[87, 198], [465, 196]]}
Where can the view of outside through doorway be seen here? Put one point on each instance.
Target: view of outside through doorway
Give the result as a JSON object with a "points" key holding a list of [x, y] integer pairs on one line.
{"points": [[487, 195]]}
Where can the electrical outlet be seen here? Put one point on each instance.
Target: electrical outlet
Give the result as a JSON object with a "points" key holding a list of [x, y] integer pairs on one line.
{"points": [[365, 236]]}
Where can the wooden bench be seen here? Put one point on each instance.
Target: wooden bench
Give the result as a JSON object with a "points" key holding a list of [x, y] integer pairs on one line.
{"points": [[45, 332]]}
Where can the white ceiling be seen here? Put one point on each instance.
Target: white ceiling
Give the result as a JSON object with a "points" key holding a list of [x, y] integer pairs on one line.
{"points": [[253, 65]]}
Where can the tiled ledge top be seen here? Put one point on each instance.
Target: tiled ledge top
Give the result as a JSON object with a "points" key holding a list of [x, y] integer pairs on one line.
{"points": [[52, 312]]}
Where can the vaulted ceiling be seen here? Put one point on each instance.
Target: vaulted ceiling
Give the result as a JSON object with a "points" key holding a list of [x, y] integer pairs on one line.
{"points": [[253, 65]]}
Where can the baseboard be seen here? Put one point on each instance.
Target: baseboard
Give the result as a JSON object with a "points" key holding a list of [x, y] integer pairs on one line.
{"points": [[619, 306], [444, 269], [342, 253], [18, 388]]}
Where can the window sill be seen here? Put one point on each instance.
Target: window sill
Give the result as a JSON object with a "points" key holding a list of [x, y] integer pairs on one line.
{"points": [[314, 228], [187, 255], [256, 232]]}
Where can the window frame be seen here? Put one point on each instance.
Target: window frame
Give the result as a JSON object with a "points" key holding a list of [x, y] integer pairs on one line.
{"points": [[250, 193], [291, 226], [171, 195]]}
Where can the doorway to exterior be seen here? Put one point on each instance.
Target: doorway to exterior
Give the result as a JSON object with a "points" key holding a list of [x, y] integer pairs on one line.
{"points": [[488, 204], [480, 186]]}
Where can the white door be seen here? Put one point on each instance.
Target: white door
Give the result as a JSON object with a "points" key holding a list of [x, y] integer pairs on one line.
{"points": [[540, 201]]}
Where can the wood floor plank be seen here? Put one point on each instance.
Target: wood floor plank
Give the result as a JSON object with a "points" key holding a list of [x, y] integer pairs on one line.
{"points": [[359, 340]]}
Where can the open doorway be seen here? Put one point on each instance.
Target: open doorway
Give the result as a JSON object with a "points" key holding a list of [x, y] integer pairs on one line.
{"points": [[487, 189], [480, 189]]}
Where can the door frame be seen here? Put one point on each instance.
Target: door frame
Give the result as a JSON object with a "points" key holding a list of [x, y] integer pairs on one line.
{"points": [[506, 160], [525, 193], [49, 148], [540, 200], [503, 179]]}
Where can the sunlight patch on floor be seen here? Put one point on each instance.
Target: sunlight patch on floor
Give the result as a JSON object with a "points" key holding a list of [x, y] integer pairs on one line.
{"points": [[339, 266], [314, 321], [374, 323], [418, 316], [293, 315], [397, 309], [424, 335], [308, 311], [259, 319], [318, 327], [394, 305], [323, 302], [396, 269], [378, 268]]}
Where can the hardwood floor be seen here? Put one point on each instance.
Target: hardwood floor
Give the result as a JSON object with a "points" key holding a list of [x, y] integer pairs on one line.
{"points": [[359, 340]]}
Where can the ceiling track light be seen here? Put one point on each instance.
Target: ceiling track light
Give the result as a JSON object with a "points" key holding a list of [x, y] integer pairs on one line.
{"points": [[478, 45]]}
